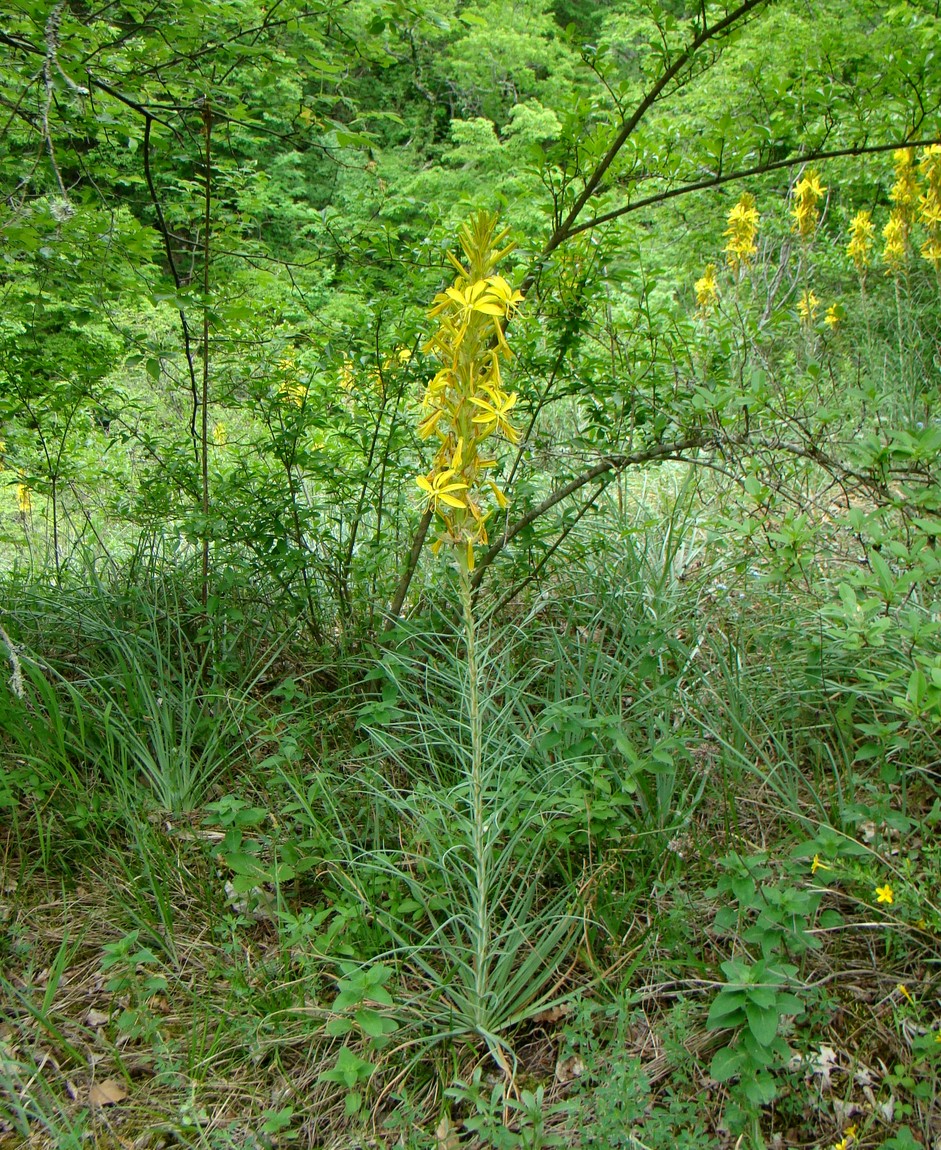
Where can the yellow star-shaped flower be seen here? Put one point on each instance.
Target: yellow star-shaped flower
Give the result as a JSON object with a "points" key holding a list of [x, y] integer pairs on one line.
{"points": [[439, 489], [495, 410]]}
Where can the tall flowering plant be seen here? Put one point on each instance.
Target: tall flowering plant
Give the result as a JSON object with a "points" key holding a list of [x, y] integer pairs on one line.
{"points": [[467, 409]]}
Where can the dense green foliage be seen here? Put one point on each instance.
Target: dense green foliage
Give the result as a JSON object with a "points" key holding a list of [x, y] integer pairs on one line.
{"points": [[618, 831]]}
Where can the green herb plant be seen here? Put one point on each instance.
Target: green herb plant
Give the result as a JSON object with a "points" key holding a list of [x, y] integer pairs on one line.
{"points": [[772, 919]]}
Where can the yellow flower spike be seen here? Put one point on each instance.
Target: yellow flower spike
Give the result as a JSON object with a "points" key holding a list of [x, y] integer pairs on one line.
{"points": [[24, 499], [895, 233], [808, 192], [465, 402], [905, 992], [859, 249], [219, 435], [929, 205], [904, 193], [706, 288], [741, 233], [884, 894], [807, 307]]}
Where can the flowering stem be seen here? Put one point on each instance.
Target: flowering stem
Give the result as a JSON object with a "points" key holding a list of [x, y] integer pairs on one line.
{"points": [[478, 814]]}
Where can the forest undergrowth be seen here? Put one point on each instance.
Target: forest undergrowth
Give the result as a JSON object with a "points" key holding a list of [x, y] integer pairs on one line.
{"points": [[711, 909]]}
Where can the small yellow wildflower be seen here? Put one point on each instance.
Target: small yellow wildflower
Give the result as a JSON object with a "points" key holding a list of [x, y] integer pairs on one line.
{"points": [[24, 500], [807, 307], [706, 288], [884, 894], [808, 192], [818, 865], [859, 249], [220, 436], [834, 316], [741, 232], [904, 991]]}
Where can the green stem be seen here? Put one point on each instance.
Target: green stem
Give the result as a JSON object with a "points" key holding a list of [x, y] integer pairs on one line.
{"points": [[479, 830]]}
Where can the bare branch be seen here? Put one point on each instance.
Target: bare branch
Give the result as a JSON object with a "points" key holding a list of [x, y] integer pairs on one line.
{"points": [[174, 272], [411, 564], [611, 463], [627, 129], [747, 173]]}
